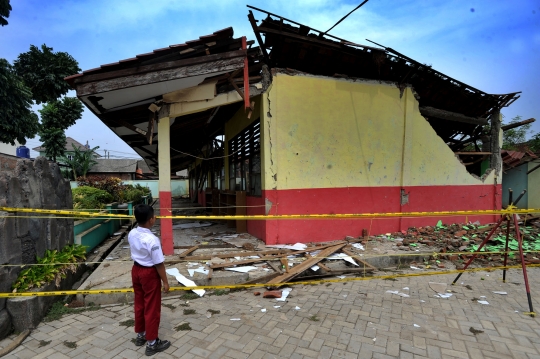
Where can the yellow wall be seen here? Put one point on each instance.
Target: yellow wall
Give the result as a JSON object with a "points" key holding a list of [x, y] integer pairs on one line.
{"points": [[322, 132], [237, 124], [533, 187]]}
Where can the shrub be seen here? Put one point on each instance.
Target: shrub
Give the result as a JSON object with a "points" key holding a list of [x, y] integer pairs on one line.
{"points": [[86, 197], [111, 185]]}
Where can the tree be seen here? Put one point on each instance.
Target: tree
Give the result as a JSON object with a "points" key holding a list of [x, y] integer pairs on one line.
{"points": [[17, 121], [81, 162], [516, 138], [5, 9], [43, 71], [56, 117]]}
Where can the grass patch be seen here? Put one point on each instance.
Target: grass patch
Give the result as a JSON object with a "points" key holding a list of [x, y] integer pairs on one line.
{"points": [[189, 311], [219, 292], [328, 284], [170, 306], [189, 295], [314, 318], [468, 286], [44, 343], [212, 311], [128, 323], [71, 345], [392, 279], [184, 326], [183, 305], [58, 310], [233, 290]]}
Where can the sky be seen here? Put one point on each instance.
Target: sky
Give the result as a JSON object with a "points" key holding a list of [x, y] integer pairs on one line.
{"points": [[491, 45]]}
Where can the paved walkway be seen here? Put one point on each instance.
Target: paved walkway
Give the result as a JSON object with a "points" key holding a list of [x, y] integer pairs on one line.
{"points": [[340, 320]]}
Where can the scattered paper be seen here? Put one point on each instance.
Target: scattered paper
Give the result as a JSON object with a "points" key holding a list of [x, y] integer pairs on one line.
{"points": [[398, 293], [406, 288], [263, 310], [485, 302], [296, 247], [344, 257], [277, 306], [315, 268], [297, 308], [186, 282], [374, 339], [501, 293], [443, 295], [358, 246], [413, 267], [284, 294], [244, 269], [422, 301], [199, 270], [191, 225], [235, 318], [416, 325], [208, 315], [341, 277], [125, 247], [117, 233]]}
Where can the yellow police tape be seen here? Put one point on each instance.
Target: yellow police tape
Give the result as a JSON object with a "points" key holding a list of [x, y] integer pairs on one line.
{"points": [[235, 286], [512, 210]]}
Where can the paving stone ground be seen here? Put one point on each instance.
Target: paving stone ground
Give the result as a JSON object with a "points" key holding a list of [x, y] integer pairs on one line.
{"points": [[340, 320]]}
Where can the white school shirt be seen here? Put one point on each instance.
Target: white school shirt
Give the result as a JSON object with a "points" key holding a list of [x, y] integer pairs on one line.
{"points": [[145, 247]]}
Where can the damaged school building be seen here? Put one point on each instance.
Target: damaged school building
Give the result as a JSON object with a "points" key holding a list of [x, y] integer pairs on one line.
{"points": [[302, 122]]}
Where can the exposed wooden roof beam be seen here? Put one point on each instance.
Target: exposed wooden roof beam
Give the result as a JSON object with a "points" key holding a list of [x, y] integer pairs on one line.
{"points": [[451, 116]]}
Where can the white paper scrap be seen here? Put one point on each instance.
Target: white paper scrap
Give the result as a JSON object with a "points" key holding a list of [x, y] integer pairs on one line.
{"points": [[341, 276], [358, 246], [200, 270], [501, 293], [277, 306], [445, 295], [406, 288], [263, 310], [416, 325], [235, 318], [398, 293], [344, 257], [297, 308], [315, 268], [284, 294], [413, 267], [296, 247], [244, 269], [485, 302], [186, 282]]}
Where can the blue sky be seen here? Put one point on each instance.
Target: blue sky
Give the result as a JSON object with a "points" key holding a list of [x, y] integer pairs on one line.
{"points": [[491, 45]]}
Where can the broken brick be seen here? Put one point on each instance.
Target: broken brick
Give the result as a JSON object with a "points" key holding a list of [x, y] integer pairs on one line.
{"points": [[453, 257], [272, 294], [256, 293], [460, 233]]}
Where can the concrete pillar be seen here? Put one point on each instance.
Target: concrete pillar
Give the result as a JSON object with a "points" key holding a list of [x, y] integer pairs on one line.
{"points": [[165, 198]]}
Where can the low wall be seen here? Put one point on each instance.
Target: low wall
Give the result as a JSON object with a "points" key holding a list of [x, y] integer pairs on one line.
{"points": [[30, 184]]}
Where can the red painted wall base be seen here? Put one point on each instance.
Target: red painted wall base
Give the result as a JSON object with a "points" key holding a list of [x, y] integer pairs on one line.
{"points": [[165, 204], [365, 200]]}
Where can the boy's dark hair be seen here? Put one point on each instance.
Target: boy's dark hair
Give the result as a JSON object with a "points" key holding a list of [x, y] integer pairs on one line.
{"points": [[143, 213]]}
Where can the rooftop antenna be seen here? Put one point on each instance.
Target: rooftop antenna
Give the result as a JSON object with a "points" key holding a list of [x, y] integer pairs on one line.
{"points": [[344, 17]]}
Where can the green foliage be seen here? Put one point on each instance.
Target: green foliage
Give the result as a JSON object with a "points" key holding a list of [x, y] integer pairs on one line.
{"points": [[5, 9], [111, 185], [56, 117], [17, 121], [47, 270], [516, 138], [43, 71], [90, 198], [81, 162], [58, 310]]}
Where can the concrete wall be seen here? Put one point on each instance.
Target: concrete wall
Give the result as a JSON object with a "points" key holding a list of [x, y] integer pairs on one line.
{"points": [[516, 179], [340, 146], [533, 185], [9, 149], [31, 184]]}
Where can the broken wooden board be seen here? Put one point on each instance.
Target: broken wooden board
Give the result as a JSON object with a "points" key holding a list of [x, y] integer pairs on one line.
{"points": [[188, 251], [263, 279], [245, 261], [238, 254], [352, 255], [274, 266], [296, 270]]}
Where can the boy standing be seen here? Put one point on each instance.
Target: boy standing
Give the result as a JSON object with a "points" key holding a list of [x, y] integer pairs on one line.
{"points": [[147, 274]]}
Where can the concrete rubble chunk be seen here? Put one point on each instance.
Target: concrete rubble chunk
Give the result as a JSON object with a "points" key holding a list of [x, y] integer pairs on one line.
{"points": [[26, 311]]}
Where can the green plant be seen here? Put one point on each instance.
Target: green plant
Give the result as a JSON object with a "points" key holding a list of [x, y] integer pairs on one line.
{"points": [[111, 185], [189, 311], [58, 310], [81, 162], [52, 267], [90, 198], [184, 326]]}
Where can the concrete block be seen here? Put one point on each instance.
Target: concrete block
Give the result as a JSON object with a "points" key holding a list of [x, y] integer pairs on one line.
{"points": [[5, 324], [25, 312], [52, 234], [10, 246]]}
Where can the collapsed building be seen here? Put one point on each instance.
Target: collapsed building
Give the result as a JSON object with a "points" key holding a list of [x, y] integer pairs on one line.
{"points": [[303, 123]]}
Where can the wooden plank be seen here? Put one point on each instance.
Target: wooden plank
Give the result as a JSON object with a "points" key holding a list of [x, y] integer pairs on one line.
{"points": [[246, 261], [351, 254], [473, 153], [263, 279], [517, 124], [325, 268], [284, 264], [188, 251], [296, 270], [210, 273], [238, 254], [451, 116], [160, 66], [274, 266], [118, 83]]}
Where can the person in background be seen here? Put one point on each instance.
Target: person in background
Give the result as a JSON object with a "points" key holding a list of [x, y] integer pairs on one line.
{"points": [[147, 274]]}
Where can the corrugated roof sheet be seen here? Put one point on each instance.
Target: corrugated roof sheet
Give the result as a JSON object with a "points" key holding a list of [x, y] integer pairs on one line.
{"points": [[109, 165], [513, 159]]}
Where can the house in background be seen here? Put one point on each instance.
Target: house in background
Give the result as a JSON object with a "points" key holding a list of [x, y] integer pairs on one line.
{"points": [[70, 142], [9, 149], [305, 123], [125, 169], [521, 171]]}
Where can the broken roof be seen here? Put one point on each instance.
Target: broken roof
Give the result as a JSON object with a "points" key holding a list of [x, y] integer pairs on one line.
{"points": [[114, 165]]}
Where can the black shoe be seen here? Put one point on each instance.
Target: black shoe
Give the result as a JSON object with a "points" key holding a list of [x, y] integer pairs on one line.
{"points": [[140, 341], [159, 346]]}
